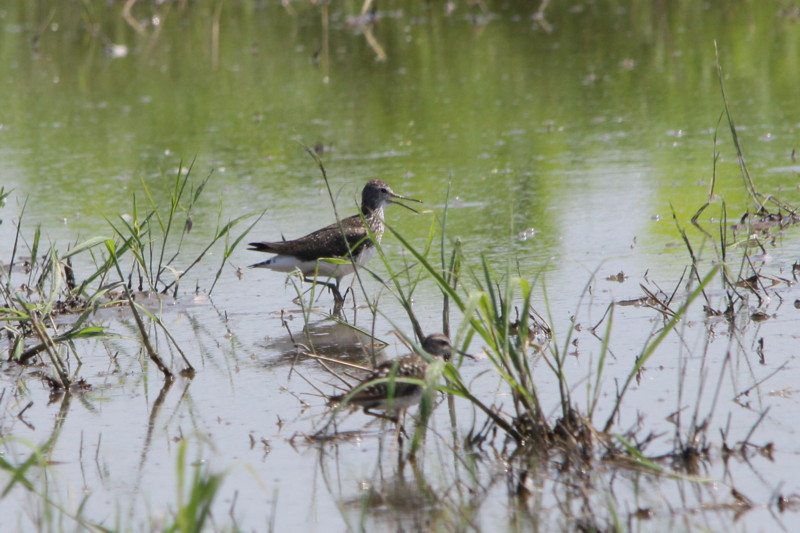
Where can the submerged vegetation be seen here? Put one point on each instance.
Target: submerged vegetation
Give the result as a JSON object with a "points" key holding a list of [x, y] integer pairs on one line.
{"points": [[49, 298]]}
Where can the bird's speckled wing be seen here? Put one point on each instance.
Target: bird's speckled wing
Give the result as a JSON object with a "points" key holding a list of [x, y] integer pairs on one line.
{"points": [[325, 242], [409, 366]]}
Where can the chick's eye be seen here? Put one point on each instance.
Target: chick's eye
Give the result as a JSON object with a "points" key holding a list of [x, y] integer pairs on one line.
{"points": [[384, 190]]}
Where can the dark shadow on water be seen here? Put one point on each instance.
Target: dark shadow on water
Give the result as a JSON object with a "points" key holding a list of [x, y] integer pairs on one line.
{"points": [[326, 337]]}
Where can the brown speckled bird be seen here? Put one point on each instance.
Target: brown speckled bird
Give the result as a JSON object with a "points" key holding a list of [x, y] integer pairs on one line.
{"points": [[306, 253], [378, 396]]}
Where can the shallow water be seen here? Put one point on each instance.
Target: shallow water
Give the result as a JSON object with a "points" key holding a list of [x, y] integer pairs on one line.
{"points": [[592, 134]]}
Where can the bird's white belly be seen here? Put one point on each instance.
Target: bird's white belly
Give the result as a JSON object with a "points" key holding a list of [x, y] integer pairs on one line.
{"points": [[367, 253], [398, 403], [321, 268]]}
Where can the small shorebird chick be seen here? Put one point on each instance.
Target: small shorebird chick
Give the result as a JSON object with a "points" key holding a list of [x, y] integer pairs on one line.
{"points": [[308, 253], [391, 396]]}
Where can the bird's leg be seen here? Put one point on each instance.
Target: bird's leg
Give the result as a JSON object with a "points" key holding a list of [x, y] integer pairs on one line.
{"points": [[338, 300], [400, 459], [334, 288], [401, 424], [338, 304], [395, 419]]}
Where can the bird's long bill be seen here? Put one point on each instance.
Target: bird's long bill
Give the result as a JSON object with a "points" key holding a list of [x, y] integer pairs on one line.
{"points": [[465, 354], [406, 199]]}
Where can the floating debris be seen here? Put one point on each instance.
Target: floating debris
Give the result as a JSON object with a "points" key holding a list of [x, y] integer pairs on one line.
{"points": [[526, 234], [116, 51], [619, 277]]}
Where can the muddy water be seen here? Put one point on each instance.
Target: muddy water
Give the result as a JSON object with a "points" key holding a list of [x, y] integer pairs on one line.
{"points": [[568, 147]]}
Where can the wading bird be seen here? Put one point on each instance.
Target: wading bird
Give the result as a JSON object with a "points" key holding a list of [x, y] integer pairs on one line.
{"points": [[353, 241], [382, 389]]}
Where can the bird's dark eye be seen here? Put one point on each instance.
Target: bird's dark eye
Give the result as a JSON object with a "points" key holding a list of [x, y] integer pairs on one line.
{"points": [[384, 190]]}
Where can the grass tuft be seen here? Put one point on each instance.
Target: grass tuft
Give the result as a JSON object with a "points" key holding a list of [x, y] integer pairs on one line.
{"points": [[49, 309]]}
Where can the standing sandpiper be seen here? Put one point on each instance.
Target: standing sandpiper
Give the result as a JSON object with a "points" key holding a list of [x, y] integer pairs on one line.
{"points": [[307, 253], [392, 396]]}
